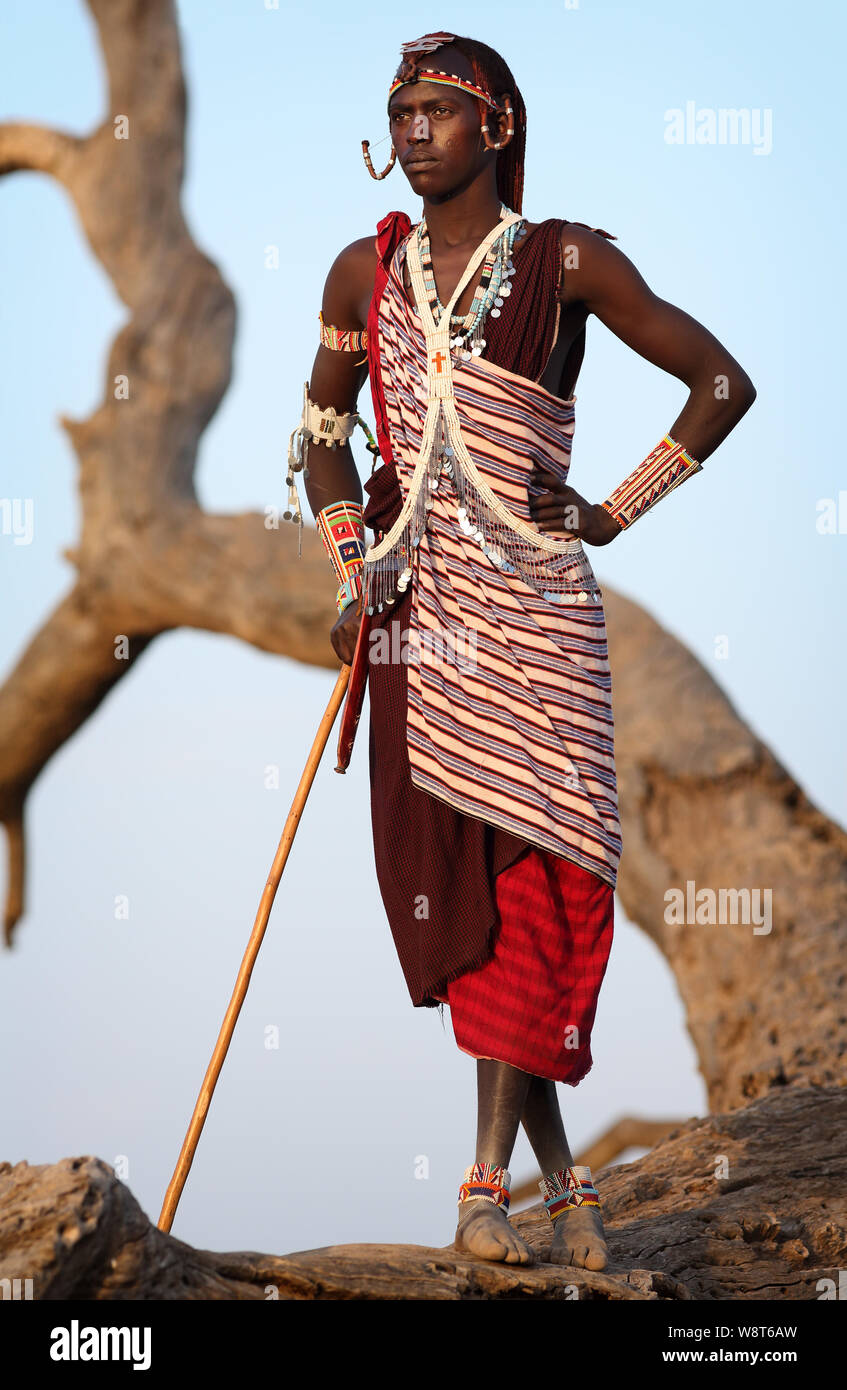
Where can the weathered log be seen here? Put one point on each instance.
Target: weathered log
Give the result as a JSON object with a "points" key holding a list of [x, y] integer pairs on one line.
{"points": [[746, 1205]]}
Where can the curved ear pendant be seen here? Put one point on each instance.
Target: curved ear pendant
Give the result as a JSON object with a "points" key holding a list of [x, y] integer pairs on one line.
{"points": [[367, 158], [510, 128]]}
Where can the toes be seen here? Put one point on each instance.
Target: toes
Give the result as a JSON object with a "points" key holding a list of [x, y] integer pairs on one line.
{"points": [[563, 1256], [520, 1253], [597, 1259], [492, 1240]]}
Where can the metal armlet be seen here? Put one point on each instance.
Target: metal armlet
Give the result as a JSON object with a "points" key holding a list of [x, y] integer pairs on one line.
{"points": [[324, 427]]}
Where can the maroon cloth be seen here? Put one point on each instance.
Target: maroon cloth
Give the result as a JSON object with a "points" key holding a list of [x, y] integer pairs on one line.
{"points": [[436, 867]]}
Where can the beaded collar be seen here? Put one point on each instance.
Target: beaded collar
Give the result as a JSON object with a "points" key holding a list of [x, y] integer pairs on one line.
{"points": [[493, 289]]}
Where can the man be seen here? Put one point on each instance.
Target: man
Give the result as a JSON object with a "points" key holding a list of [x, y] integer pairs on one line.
{"points": [[494, 798]]}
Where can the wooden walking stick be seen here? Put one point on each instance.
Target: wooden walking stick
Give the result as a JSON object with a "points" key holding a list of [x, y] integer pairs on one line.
{"points": [[213, 1071]]}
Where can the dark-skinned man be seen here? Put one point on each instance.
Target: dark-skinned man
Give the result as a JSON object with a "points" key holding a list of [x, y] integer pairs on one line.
{"points": [[493, 789]]}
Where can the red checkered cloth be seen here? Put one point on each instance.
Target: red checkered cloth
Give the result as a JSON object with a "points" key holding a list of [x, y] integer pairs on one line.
{"points": [[532, 1004]]}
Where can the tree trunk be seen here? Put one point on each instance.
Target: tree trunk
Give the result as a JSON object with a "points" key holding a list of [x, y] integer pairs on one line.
{"points": [[703, 799]]}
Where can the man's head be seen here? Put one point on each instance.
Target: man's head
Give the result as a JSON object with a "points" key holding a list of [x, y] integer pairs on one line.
{"points": [[436, 123]]}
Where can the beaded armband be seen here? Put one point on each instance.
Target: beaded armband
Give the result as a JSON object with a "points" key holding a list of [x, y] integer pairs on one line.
{"points": [[342, 530], [343, 339], [665, 468], [566, 1188], [486, 1182]]}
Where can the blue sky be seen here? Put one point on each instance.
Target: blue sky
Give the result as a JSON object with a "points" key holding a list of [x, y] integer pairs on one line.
{"points": [[161, 796]]}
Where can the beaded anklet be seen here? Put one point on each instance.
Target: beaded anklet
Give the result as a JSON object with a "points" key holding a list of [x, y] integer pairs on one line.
{"points": [[486, 1182], [566, 1188]]}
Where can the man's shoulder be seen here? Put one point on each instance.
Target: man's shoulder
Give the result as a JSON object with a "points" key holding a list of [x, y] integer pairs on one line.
{"points": [[580, 242], [360, 252], [588, 256], [582, 234], [351, 274], [358, 260]]}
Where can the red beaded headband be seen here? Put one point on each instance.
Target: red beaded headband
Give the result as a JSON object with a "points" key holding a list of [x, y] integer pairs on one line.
{"points": [[409, 71], [443, 79]]}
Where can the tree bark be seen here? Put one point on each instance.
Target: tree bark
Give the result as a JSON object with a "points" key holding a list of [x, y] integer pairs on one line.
{"points": [[745, 1205], [148, 558], [703, 799]]}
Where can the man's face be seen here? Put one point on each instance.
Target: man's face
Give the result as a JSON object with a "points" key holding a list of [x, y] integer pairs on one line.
{"points": [[435, 131]]}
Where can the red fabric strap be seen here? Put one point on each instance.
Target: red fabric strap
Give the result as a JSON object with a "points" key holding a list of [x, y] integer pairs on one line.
{"points": [[389, 233]]}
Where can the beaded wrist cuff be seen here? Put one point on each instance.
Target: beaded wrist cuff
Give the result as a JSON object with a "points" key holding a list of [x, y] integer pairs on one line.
{"points": [[665, 468], [486, 1182], [349, 591], [566, 1188], [342, 530]]}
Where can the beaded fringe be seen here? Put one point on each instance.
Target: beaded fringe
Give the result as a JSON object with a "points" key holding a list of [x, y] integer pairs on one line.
{"points": [[559, 571]]}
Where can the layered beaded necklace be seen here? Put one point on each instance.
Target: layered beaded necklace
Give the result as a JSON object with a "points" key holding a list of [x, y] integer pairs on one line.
{"points": [[495, 286], [443, 468]]}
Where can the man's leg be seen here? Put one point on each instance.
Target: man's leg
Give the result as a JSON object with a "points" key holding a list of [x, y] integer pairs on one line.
{"points": [[484, 1229], [578, 1237]]}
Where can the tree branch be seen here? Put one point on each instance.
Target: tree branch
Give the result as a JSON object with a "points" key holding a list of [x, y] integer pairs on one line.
{"points": [[37, 148]]}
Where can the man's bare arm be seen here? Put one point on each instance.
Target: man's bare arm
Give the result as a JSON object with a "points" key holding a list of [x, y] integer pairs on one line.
{"points": [[336, 380], [338, 377], [604, 282], [601, 277]]}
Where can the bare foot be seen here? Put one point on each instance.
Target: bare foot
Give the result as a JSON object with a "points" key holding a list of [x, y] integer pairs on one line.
{"points": [[484, 1230], [578, 1239]]}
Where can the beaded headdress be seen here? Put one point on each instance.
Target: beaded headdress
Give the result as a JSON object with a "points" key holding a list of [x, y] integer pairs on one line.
{"points": [[411, 71], [510, 162]]}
